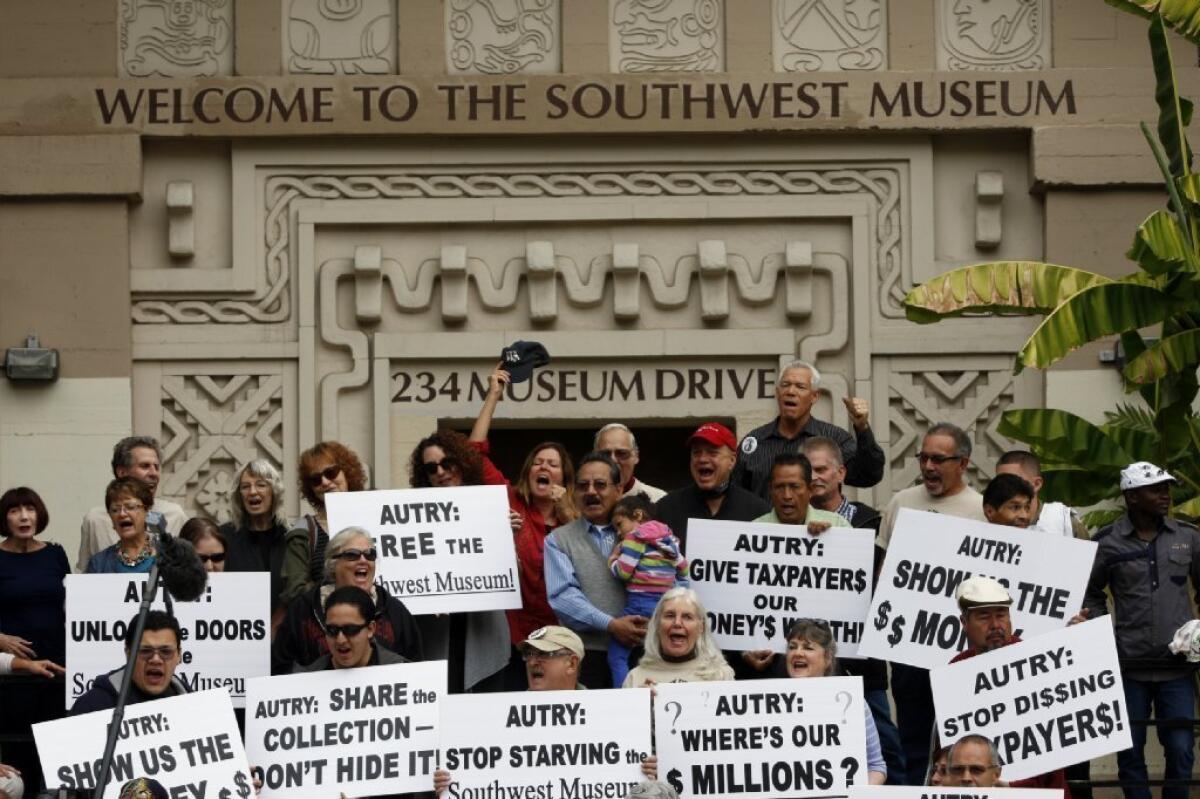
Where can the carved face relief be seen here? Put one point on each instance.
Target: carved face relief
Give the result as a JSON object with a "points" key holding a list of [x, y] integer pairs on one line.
{"points": [[995, 25], [340, 36], [500, 37], [176, 38], [996, 34], [667, 35]]}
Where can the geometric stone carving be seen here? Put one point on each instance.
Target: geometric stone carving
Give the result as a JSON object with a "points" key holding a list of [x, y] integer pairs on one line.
{"points": [[666, 35], [797, 265], [829, 35], [627, 280], [210, 425], [714, 269], [175, 39], [348, 37], [368, 284], [543, 283], [500, 37], [989, 194], [181, 223], [454, 283], [993, 34]]}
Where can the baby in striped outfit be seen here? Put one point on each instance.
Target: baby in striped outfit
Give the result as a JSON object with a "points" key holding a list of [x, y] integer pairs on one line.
{"points": [[648, 560]]}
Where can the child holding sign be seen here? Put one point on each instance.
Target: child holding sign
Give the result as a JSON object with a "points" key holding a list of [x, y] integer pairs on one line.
{"points": [[648, 559]]}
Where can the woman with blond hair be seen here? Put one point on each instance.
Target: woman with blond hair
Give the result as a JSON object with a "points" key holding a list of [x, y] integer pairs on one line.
{"points": [[258, 537]]}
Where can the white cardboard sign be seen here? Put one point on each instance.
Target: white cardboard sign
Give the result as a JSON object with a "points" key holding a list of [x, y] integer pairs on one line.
{"points": [[1048, 702], [360, 732], [226, 632], [755, 579], [189, 743], [763, 738], [441, 550], [944, 792], [546, 744], [914, 617]]}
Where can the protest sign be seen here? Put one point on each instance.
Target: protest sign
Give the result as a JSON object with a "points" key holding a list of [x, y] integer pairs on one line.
{"points": [[545, 744], [914, 617], [358, 732], [755, 579], [190, 743], [946, 792], [441, 550], [1048, 702], [766, 738], [226, 632]]}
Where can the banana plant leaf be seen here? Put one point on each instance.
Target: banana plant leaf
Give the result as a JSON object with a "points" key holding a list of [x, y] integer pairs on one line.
{"points": [[1062, 437], [1159, 245], [1171, 354], [1174, 112], [1189, 509], [1076, 486], [1095, 519], [1101, 310], [1181, 16], [1140, 445], [1004, 287]]}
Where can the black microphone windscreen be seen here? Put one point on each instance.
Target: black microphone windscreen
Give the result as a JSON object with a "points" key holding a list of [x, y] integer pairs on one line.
{"points": [[182, 572]]}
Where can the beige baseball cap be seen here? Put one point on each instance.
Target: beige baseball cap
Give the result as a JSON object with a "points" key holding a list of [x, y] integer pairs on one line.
{"points": [[981, 592], [554, 637]]}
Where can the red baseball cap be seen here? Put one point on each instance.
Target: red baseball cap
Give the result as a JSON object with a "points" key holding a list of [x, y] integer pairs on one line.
{"points": [[716, 434]]}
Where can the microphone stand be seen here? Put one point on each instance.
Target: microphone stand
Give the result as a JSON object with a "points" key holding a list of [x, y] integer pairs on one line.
{"points": [[110, 743]]}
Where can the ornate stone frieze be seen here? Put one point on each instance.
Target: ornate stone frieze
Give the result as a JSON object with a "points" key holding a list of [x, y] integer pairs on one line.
{"points": [[829, 35], [175, 38], [993, 34], [502, 37], [347, 37], [666, 35]]}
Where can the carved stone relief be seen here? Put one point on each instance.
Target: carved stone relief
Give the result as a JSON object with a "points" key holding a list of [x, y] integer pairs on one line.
{"points": [[348, 37], [666, 35], [829, 35], [993, 34], [211, 424], [176, 38], [501, 37]]}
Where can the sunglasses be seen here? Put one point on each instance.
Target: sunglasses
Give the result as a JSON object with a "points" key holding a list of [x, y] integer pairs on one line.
{"points": [[445, 464], [936, 460], [354, 554], [217, 558], [162, 652], [348, 630], [329, 473]]}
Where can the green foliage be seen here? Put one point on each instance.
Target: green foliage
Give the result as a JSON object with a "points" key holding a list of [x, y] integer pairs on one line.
{"points": [[1081, 461]]}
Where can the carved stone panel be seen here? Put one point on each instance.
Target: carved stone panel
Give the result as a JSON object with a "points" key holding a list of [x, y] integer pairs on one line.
{"points": [[993, 34], [346, 37], [175, 38], [501, 37], [829, 35], [666, 35]]}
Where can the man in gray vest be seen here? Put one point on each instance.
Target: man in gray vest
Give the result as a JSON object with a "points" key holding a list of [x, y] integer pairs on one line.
{"points": [[582, 590]]}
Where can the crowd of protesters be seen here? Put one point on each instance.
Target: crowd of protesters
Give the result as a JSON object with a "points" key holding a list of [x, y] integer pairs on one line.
{"points": [[603, 576]]}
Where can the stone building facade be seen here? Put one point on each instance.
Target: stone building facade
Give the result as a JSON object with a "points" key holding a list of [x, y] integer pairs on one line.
{"points": [[249, 225]]}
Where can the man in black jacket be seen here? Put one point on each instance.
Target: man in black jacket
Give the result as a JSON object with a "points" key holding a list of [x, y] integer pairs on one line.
{"points": [[349, 624], [158, 655]]}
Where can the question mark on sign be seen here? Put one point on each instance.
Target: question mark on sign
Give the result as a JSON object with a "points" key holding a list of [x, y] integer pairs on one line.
{"points": [[850, 765], [849, 699], [678, 710], [705, 695]]}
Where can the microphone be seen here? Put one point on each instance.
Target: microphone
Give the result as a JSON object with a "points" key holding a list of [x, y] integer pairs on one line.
{"points": [[183, 574]]}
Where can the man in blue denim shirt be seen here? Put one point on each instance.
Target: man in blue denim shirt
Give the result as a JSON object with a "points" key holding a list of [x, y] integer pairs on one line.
{"points": [[1145, 559]]}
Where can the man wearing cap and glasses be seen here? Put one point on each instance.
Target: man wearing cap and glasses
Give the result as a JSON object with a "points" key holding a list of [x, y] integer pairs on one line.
{"points": [[1145, 559], [943, 459], [582, 590], [617, 440], [712, 493], [987, 624]]}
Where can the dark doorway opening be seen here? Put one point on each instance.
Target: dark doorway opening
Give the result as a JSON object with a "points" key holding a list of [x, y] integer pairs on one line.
{"points": [[662, 446]]}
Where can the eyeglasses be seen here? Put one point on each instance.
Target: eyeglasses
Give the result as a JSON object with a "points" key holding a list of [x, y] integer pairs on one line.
{"points": [[619, 454], [127, 507], [599, 485], [445, 464], [329, 473], [348, 630], [530, 653], [217, 558], [354, 554], [936, 460], [162, 652]]}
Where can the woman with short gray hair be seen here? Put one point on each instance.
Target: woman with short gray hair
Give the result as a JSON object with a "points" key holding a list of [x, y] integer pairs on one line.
{"points": [[258, 537], [349, 561]]}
